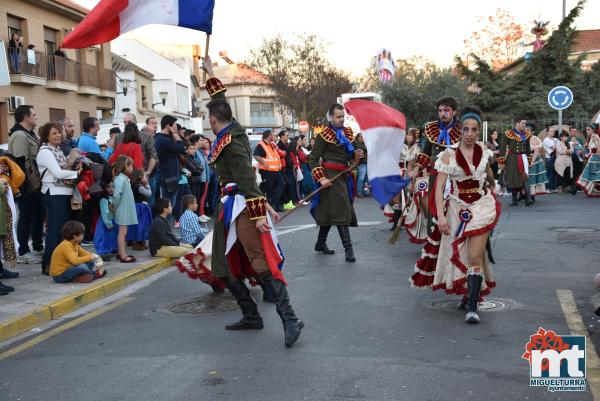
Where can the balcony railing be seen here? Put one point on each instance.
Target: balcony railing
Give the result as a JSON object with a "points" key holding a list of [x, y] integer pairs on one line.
{"points": [[61, 69], [107, 80], [26, 62], [88, 76]]}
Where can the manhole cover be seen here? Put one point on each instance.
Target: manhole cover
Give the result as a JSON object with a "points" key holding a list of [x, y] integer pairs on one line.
{"points": [[574, 229], [489, 305], [205, 305]]}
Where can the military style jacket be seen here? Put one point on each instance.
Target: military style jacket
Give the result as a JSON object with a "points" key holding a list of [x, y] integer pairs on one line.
{"points": [[434, 145], [231, 158], [335, 205], [512, 147]]}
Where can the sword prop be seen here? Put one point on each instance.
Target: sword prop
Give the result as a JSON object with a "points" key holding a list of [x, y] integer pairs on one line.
{"points": [[394, 236]]}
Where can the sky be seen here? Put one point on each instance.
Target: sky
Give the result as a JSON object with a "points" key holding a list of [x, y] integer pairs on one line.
{"points": [[354, 31]]}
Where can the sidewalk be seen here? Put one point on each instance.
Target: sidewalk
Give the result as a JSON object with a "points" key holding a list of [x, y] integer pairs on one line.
{"points": [[37, 299]]}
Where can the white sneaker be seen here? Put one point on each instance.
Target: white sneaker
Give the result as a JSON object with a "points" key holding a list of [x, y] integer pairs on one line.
{"points": [[29, 259], [37, 254], [204, 218]]}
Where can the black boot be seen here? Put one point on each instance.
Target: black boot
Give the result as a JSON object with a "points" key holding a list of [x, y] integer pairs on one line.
{"points": [[251, 319], [6, 288], [292, 326], [347, 243], [528, 201], [397, 214], [321, 245], [473, 285], [515, 201]]}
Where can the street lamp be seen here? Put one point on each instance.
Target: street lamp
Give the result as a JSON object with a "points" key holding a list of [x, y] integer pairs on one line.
{"points": [[163, 98], [124, 84]]}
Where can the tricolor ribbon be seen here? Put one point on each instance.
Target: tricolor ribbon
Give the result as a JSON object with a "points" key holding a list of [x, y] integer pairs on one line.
{"points": [[465, 216]]}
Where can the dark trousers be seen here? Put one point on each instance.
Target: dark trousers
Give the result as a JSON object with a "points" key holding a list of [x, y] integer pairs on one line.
{"points": [[566, 179], [184, 189], [85, 216], [291, 188], [198, 190], [551, 173], [273, 186], [58, 213], [31, 222]]}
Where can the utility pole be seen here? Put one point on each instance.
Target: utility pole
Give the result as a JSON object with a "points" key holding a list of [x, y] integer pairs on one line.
{"points": [[564, 15]]}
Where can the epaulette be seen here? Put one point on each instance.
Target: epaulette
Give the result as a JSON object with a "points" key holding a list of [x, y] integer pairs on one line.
{"points": [[224, 141], [510, 134], [330, 136], [432, 133]]}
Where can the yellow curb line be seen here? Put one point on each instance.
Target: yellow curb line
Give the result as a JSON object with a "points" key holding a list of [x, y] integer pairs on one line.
{"points": [[55, 309], [577, 327]]}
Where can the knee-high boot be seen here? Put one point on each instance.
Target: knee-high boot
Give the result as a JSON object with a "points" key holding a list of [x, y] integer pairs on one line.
{"points": [[292, 326], [397, 215], [515, 200], [474, 286], [347, 243], [528, 200], [321, 245], [251, 319]]}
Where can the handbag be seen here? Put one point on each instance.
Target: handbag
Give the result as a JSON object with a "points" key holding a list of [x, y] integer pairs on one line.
{"points": [[299, 175], [172, 184]]}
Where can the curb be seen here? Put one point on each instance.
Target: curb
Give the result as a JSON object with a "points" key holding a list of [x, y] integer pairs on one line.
{"points": [[67, 304]]}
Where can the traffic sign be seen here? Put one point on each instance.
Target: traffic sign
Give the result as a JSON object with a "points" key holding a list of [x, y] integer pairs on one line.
{"points": [[303, 126], [560, 98]]}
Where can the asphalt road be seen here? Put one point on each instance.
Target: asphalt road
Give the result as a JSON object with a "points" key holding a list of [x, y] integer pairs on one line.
{"points": [[368, 334]]}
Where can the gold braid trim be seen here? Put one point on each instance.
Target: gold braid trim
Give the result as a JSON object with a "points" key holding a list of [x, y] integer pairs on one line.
{"points": [[318, 173], [257, 207], [214, 86]]}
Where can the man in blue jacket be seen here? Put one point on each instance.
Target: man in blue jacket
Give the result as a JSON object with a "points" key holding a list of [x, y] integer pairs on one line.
{"points": [[169, 147]]}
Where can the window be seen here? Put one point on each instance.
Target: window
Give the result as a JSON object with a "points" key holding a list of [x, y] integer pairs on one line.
{"points": [[144, 98], [82, 116], [182, 99], [55, 114], [50, 47], [14, 25], [262, 110]]}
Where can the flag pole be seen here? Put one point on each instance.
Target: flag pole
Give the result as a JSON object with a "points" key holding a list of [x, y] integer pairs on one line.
{"points": [[206, 46]]}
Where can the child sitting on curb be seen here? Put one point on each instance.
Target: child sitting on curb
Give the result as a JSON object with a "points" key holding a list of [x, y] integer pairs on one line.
{"points": [[191, 231], [70, 262], [162, 241]]}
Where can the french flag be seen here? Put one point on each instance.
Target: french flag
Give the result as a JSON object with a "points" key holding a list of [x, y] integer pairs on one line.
{"points": [[111, 18], [383, 129]]}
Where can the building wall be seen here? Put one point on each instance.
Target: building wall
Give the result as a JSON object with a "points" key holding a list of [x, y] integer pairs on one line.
{"points": [[41, 98]]}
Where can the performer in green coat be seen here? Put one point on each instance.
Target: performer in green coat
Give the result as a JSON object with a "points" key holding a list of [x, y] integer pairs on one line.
{"points": [[439, 135], [242, 244], [513, 157], [333, 152]]}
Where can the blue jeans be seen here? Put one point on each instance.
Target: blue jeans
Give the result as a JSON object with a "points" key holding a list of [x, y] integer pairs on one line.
{"points": [[57, 208], [153, 182], [362, 175], [551, 185], [73, 272], [13, 54]]}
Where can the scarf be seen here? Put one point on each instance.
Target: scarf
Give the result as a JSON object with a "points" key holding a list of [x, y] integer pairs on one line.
{"points": [[60, 159], [220, 135], [521, 134], [342, 140], [445, 132]]}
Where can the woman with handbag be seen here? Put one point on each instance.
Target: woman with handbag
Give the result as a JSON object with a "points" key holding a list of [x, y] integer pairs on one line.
{"points": [[57, 186]]}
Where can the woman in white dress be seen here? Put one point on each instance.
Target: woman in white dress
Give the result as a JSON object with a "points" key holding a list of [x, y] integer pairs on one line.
{"points": [[465, 220]]}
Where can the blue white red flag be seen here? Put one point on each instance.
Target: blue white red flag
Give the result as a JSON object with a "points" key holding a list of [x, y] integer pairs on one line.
{"points": [[383, 129], [112, 18]]}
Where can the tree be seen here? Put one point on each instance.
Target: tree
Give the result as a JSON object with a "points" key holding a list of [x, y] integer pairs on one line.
{"points": [[498, 41], [503, 95], [416, 86], [301, 76]]}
